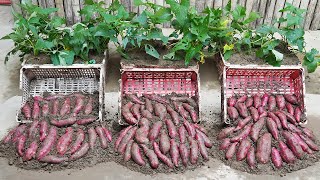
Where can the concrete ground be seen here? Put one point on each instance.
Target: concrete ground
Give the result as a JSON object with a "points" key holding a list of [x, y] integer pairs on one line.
{"points": [[10, 100]]}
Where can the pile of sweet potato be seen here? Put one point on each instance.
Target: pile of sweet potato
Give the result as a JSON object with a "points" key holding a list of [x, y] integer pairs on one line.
{"points": [[162, 129], [266, 129]]}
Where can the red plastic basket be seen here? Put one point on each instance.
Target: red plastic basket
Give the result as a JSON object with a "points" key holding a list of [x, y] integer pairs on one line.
{"points": [[161, 81], [7, 2], [245, 80]]}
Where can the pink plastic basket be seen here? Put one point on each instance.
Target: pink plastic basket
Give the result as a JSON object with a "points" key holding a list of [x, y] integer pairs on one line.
{"points": [[7, 2], [161, 81], [245, 80]]}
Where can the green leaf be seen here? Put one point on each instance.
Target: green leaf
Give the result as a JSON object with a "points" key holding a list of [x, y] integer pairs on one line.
{"points": [[238, 13], [88, 2], [169, 56], [55, 59], [141, 19], [227, 47], [293, 20], [252, 17], [293, 35], [311, 61], [57, 21], [227, 55], [66, 57], [162, 15], [43, 44], [122, 13], [228, 6], [138, 2], [278, 55], [191, 52], [151, 51], [180, 10]]}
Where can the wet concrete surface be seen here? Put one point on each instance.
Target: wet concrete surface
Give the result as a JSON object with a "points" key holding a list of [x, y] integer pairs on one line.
{"points": [[210, 103]]}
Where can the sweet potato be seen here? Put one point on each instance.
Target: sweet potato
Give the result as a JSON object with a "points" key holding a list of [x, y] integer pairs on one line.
{"points": [[283, 119], [171, 128], [309, 133], [51, 159], [264, 100], [64, 141], [64, 122], [144, 122], [151, 155], [87, 120], [297, 114], [65, 108], [102, 136], [205, 138], [301, 142], [243, 149], [79, 105], [107, 133], [89, 106], [126, 139], [251, 158], [202, 146], [127, 153], [145, 113], [174, 152], [291, 98], [26, 110], [155, 130], [293, 144], [293, 128], [54, 97], [164, 142], [184, 114], [77, 143], [249, 102], [36, 110], [43, 130], [141, 135], [225, 144], [271, 103], [20, 144], [192, 112], [174, 115], [242, 123], [264, 148], [231, 101], [254, 114], [182, 134], [161, 156], [184, 153], [55, 107], [31, 151], [233, 113], [45, 109], [281, 102], [190, 129], [242, 99], [122, 133], [148, 105], [92, 137], [275, 119], [256, 101], [261, 110], [290, 108], [136, 111], [225, 132], [243, 134], [81, 152], [48, 143], [128, 116], [160, 110], [290, 118], [33, 129], [256, 128], [19, 131], [231, 150], [157, 98], [272, 128], [200, 128], [276, 158], [310, 143], [194, 150], [286, 153], [242, 109], [7, 138], [186, 99], [135, 99]]}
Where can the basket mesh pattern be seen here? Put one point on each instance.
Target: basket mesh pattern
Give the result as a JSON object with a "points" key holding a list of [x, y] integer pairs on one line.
{"points": [[5, 2]]}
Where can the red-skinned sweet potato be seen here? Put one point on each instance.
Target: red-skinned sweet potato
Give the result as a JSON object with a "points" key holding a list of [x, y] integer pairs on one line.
{"points": [[171, 128], [78, 142], [293, 128], [281, 102], [33, 129], [148, 105], [155, 130], [102, 136], [256, 101], [184, 153], [65, 108], [231, 101], [51, 159], [275, 119], [233, 113], [136, 111], [254, 114], [256, 128], [309, 133], [43, 130], [141, 135], [83, 150], [202, 147], [310, 143], [186, 99], [127, 153], [87, 120], [242, 99], [122, 133], [251, 157], [26, 110], [45, 109], [127, 115], [272, 128], [194, 150], [174, 115], [31, 151], [79, 105], [193, 113], [242, 123], [290, 118], [145, 113], [225, 144], [261, 110], [174, 152], [290, 108], [182, 134], [6, 139], [48, 143], [135, 99], [64, 122], [160, 110], [297, 114], [178, 106], [19, 131], [200, 128], [36, 110], [20, 144], [92, 137], [242, 109], [286, 154], [264, 148], [89, 106], [164, 142], [293, 144], [205, 138], [190, 129], [157, 98], [231, 150], [301, 142], [107, 133], [225, 132], [291, 98], [126, 139], [264, 100], [283, 119], [144, 122], [249, 102], [55, 107], [245, 132], [243, 149], [161, 156], [64, 141], [151, 155], [276, 158], [272, 103]]}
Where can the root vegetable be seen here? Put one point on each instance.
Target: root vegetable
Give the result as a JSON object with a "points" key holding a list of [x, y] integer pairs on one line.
{"points": [[31, 151], [184, 153], [194, 150], [190, 129], [256, 128], [225, 132], [254, 114], [77, 143], [20, 144], [6, 139], [64, 122], [174, 115], [53, 159], [242, 99], [205, 138], [272, 127], [200, 128], [261, 110], [256, 101], [157, 98], [184, 114], [92, 137], [225, 144], [55, 107], [155, 130], [186, 99], [141, 135], [291, 98], [79, 105], [293, 144], [243, 149], [264, 148], [122, 133], [136, 111], [276, 158], [19, 131], [310, 143], [53, 97], [160, 110], [43, 130], [26, 110], [126, 139], [127, 153], [48, 143], [89, 107], [272, 103], [231, 150], [290, 117], [144, 122], [164, 142], [36, 110], [243, 123], [297, 114], [174, 152], [102, 136], [86, 120], [64, 141], [290, 108], [171, 128], [151, 155], [182, 134], [107, 133], [45, 109], [309, 133], [286, 153], [281, 103], [243, 134], [275, 119], [202, 147], [80, 153], [148, 104], [192, 112], [251, 158], [233, 113], [161, 156], [242, 109], [249, 102], [264, 100], [33, 129], [135, 99], [65, 109], [128, 116], [283, 119], [293, 128], [146, 113], [301, 142], [231, 101]]}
